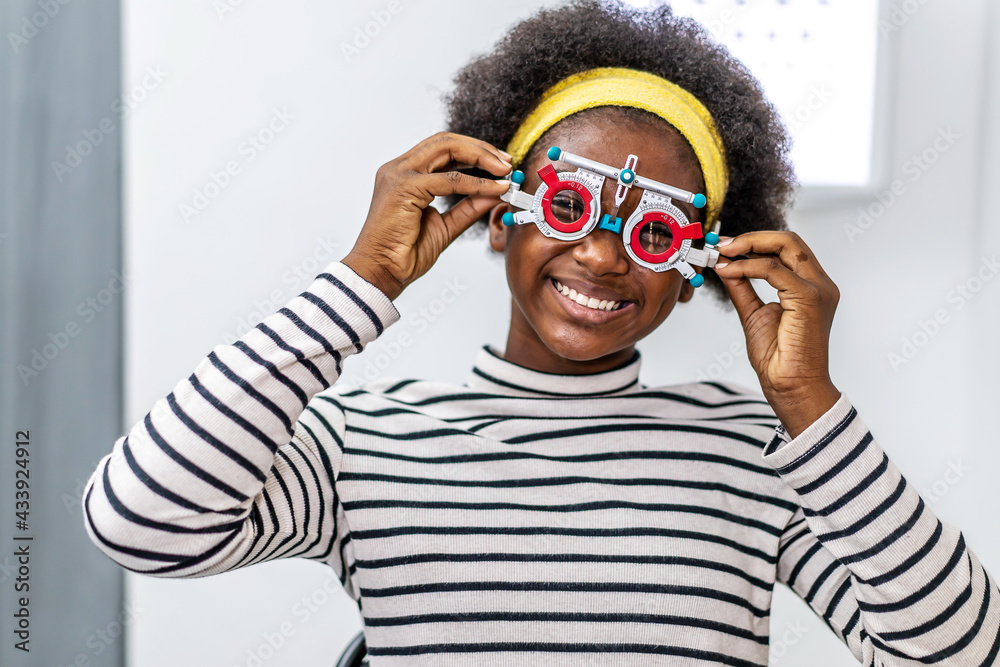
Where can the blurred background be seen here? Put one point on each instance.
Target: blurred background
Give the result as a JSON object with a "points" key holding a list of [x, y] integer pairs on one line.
{"points": [[172, 172]]}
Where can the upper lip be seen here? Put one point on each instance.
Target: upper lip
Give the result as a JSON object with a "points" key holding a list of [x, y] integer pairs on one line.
{"points": [[591, 290]]}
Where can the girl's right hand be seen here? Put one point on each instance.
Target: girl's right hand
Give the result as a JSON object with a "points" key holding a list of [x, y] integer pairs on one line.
{"points": [[403, 235]]}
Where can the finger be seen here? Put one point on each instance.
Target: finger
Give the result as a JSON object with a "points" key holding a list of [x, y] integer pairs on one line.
{"points": [[420, 149], [479, 142], [464, 214], [790, 285], [445, 135], [459, 166], [744, 297], [432, 139], [426, 187], [454, 149], [788, 246]]}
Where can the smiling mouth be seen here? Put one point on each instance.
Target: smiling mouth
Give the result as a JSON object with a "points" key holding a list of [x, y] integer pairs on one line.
{"points": [[586, 301]]}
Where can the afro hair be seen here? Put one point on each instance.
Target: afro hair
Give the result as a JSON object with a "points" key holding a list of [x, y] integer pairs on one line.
{"points": [[496, 91]]}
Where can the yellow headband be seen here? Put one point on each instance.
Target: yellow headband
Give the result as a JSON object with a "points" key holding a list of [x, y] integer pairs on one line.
{"points": [[619, 86]]}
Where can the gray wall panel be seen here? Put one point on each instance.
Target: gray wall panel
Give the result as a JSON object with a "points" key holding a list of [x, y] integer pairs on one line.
{"points": [[60, 243]]}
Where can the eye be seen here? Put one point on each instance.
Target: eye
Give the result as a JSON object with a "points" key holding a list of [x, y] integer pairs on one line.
{"points": [[655, 237], [567, 206]]}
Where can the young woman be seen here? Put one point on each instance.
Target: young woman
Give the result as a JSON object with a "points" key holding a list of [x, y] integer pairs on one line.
{"points": [[553, 510]]}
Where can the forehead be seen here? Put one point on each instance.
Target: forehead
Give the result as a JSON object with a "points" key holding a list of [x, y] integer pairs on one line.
{"points": [[610, 134]]}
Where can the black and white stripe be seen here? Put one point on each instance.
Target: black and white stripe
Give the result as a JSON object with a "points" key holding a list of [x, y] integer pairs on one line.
{"points": [[531, 518]]}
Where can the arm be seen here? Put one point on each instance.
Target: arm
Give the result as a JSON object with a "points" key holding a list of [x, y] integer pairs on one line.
{"points": [[234, 466], [899, 586], [922, 597]]}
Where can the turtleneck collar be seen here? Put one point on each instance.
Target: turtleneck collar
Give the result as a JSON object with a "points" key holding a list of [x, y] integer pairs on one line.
{"points": [[494, 374]]}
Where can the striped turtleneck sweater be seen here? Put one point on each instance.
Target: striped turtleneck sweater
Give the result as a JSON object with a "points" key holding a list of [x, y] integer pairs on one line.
{"points": [[527, 518]]}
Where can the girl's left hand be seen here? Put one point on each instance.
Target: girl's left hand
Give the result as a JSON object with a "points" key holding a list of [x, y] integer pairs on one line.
{"points": [[788, 342]]}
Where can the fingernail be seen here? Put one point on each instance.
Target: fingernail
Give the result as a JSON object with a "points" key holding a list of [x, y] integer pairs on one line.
{"points": [[725, 240], [505, 183], [507, 164], [721, 264], [509, 156]]}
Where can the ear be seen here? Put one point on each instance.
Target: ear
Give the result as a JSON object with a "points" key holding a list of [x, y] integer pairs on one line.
{"points": [[498, 230], [687, 290]]}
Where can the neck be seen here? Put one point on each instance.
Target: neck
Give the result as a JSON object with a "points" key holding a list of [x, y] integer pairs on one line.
{"points": [[526, 349]]}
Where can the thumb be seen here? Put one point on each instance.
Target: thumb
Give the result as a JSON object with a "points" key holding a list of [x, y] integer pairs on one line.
{"points": [[744, 297], [462, 215]]}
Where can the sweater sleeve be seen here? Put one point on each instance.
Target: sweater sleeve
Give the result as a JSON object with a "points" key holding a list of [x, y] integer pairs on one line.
{"points": [[896, 584], [237, 464]]}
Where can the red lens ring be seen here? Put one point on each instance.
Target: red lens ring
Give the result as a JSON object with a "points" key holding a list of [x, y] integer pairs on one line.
{"points": [[555, 186], [675, 243]]}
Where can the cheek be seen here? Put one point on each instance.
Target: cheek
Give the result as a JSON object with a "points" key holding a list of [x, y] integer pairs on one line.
{"points": [[528, 252], [661, 292]]}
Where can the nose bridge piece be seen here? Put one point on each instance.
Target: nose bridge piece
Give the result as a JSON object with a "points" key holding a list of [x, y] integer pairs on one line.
{"points": [[625, 178]]}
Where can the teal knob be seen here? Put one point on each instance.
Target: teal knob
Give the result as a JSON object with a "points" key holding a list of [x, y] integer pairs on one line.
{"points": [[517, 177], [554, 153], [508, 218], [626, 176], [711, 238], [699, 201], [698, 280]]}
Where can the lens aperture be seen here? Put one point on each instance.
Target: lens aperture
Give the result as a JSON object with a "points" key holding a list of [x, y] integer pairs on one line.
{"points": [[655, 237], [567, 206]]}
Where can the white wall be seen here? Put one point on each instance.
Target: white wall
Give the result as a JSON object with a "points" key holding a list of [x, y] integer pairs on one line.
{"points": [[221, 78]]}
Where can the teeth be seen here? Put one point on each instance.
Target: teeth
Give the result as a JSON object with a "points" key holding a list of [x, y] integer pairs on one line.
{"points": [[584, 300]]}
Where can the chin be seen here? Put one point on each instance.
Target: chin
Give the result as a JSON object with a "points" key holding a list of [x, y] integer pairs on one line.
{"points": [[578, 346]]}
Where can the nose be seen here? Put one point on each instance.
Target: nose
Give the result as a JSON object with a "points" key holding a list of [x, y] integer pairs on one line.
{"points": [[602, 252]]}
